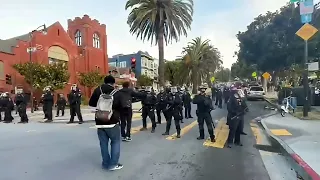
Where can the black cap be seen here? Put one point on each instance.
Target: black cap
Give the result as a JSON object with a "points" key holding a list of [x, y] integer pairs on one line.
{"points": [[109, 80]]}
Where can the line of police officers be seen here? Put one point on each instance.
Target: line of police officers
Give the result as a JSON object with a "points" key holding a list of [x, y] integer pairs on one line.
{"points": [[47, 99]]}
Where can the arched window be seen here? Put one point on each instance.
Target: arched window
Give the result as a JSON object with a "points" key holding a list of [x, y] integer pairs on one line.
{"points": [[77, 37], [96, 40]]}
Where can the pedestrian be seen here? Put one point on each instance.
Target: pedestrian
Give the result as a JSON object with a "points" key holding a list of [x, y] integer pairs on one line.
{"points": [[8, 106], [161, 105], [2, 106], [172, 110], [148, 107], [61, 105], [204, 108], [48, 102], [21, 103], [236, 112], [35, 104], [108, 104], [226, 94], [75, 103], [127, 94], [187, 104], [44, 109], [219, 95]]}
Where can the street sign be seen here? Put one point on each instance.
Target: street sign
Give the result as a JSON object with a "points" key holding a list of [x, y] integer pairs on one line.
{"points": [[266, 75], [212, 79], [306, 7], [306, 31], [306, 18], [254, 74]]}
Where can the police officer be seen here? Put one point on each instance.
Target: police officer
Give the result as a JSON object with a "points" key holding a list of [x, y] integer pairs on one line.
{"points": [[173, 103], [1, 105], [21, 104], [35, 104], [148, 106], [204, 107], [8, 106], [226, 94], [180, 93], [61, 105], [161, 105], [75, 101], [48, 102], [186, 98], [43, 106], [237, 108], [219, 98]]}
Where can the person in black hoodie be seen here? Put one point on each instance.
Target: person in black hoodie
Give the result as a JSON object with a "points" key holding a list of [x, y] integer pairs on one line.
{"points": [[126, 109], [21, 103], [187, 104], [61, 105], [74, 98], [48, 103], [8, 107], [109, 131]]}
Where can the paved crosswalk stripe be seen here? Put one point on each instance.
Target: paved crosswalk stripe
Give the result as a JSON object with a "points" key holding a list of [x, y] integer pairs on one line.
{"points": [[221, 132], [184, 130], [256, 132], [280, 132]]}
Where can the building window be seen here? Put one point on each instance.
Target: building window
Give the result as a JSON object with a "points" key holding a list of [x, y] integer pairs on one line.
{"points": [[1, 70], [112, 64], [123, 64], [77, 37], [53, 60], [96, 41]]}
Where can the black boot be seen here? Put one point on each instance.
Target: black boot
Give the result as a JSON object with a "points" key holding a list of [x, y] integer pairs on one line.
{"points": [[178, 133]]}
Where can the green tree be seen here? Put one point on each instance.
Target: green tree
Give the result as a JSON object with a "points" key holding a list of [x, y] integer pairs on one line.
{"points": [[57, 75], [160, 21], [223, 74], [200, 60], [144, 80], [173, 72], [90, 79]]}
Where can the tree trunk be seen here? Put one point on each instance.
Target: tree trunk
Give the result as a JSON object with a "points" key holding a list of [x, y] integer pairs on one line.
{"points": [[195, 82], [161, 56]]}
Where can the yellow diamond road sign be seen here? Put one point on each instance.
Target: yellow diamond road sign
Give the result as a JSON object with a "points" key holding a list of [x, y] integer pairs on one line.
{"points": [[266, 75], [306, 31]]}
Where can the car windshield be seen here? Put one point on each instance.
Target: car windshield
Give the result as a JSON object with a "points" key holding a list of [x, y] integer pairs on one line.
{"points": [[256, 89]]}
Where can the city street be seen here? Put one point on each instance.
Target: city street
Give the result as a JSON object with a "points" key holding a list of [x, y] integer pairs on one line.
{"points": [[38, 151]]}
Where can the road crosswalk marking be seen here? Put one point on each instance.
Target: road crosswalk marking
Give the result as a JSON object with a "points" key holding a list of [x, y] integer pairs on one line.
{"points": [[221, 133], [184, 130], [280, 132]]}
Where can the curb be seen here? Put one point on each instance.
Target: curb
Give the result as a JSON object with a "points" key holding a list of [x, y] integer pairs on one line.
{"points": [[272, 104], [298, 164]]}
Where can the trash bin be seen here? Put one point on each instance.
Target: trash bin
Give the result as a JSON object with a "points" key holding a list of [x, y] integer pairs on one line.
{"points": [[293, 102]]}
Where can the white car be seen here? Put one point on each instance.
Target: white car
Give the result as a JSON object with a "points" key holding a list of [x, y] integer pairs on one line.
{"points": [[255, 92]]}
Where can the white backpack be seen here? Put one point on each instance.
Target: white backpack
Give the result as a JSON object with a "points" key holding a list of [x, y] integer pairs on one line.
{"points": [[104, 106]]}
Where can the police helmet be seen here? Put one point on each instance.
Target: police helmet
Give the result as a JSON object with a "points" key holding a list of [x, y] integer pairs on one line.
{"points": [[174, 90], [149, 89]]}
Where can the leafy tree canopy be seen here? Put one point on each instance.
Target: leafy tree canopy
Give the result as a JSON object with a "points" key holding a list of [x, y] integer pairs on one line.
{"points": [[91, 79], [144, 80]]}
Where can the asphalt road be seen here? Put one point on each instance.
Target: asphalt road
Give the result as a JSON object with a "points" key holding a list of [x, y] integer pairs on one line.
{"points": [[39, 151]]}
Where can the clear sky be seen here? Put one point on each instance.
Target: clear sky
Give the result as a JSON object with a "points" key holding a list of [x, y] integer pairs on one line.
{"points": [[216, 20]]}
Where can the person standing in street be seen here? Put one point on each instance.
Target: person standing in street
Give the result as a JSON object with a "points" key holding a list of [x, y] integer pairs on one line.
{"points": [[108, 101], [21, 103], [219, 98], [61, 105], [148, 107], [126, 109], [2, 107], [8, 106], [187, 104], [161, 105], [75, 103], [48, 102], [204, 107]]}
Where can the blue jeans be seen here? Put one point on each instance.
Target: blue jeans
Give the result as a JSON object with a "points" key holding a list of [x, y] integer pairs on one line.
{"points": [[113, 135]]}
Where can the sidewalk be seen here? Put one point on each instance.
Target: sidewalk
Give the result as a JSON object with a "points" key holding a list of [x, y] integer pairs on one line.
{"points": [[299, 141]]}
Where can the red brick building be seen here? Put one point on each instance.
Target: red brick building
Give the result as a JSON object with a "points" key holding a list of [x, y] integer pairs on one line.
{"points": [[83, 47]]}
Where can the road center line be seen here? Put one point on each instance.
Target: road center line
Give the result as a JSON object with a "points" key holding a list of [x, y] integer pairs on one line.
{"points": [[184, 130], [221, 133]]}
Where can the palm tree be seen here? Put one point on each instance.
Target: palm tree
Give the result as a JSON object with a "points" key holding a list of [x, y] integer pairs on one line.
{"points": [[200, 60], [158, 21]]}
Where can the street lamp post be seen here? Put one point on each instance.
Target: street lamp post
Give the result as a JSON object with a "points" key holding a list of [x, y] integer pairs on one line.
{"points": [[30, 50]]}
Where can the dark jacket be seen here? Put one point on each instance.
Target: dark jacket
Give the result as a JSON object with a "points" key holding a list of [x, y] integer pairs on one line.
{"points": [[20, 100], [203, 102], [61, 102], [186, 98], [107, 89], [134, 96], [74, 98], [48, 99]]}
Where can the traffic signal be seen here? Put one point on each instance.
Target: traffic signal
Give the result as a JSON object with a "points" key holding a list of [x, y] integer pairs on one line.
{"points": [[8, 79], [133, 64]]}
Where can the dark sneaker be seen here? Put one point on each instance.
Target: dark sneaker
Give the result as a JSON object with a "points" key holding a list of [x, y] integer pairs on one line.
{"points": [[178, 136], [152, 131], [243, 133], [128, 139], [213, 140], [143, 129], [69, 122], [124, 139], [118, 167], [81, 122], [165, 134], [200, 138]]}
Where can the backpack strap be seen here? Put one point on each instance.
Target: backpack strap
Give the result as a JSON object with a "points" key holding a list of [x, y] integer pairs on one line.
{"points": [[113, 92], [101, 90]]}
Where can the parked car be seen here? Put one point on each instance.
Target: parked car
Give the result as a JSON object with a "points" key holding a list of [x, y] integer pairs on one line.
{"points": [[255, 92]]}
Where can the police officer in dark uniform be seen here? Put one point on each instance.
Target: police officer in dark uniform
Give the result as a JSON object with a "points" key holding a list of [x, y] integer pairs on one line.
{"points": [[180, 93], [75, 101], [186, 98], [1, 105], [8, 106], [173, 102], [48, 102], [219, 98], [161, 105], [148, 106], [236, 110], [204, 107], [226, 94], [61, 105], [43, 106], [35, 104], [21, 103]]}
